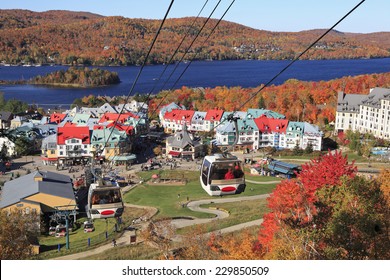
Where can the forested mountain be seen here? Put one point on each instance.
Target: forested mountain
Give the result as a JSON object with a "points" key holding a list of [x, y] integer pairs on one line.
{"points": [[79, 38]]}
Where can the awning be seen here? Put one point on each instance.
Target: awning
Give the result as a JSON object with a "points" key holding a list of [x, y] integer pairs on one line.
{"points": [[124, 157], [174, 153], [49, 159]]}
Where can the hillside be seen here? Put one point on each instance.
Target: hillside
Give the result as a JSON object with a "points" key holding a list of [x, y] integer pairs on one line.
{"points": [[77, 38]]}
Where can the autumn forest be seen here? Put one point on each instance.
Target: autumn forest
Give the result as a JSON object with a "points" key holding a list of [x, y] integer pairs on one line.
{"points": [[314, 102], [79, 38]]}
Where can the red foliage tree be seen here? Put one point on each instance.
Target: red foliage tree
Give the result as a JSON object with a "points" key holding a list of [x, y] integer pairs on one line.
{"points": [[294, 202]]}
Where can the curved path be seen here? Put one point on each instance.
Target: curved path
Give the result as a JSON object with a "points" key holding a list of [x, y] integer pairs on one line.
{"points": [[219, 214], [178, 223]]}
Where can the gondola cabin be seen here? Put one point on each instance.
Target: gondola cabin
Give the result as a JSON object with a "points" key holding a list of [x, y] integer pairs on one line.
{"points": [[222, 175], [104, 201]]}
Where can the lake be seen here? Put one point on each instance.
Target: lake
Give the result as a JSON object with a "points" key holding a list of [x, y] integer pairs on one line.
{"points": [[244, 73]]}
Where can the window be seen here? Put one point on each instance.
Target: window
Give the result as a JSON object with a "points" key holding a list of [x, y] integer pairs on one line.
{"points": [[205, 171]]}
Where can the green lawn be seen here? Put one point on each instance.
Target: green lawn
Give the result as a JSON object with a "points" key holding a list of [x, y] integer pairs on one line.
{"points": [[163, 197], [259, 178], [78, 239], [138, 251], [240, 212], [166, 198]]}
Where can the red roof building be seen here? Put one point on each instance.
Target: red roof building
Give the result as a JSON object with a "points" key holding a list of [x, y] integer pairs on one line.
{"points": [[115, 117], [214, 115], [73, 132], [57, 118], [174, 120], [212, 119], [269, 125]]}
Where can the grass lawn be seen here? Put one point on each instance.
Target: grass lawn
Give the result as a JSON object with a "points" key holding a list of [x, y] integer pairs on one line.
{"points": [[166, 198], [259, 178], [78, 239], [163, 197], [240, 212], [138, 251]]}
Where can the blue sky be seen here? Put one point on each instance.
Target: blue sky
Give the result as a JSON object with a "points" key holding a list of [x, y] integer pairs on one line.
{"points": [[273, 15]]}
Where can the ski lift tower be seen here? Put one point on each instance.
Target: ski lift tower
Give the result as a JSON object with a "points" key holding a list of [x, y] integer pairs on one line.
{"points": [[65, 212]]}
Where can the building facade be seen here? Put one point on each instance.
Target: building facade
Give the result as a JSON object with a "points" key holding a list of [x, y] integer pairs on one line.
{"points": [[364, 113]]}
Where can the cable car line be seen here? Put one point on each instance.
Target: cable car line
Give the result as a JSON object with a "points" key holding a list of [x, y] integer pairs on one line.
{"points": [[191, 60], [106, 201], [214, 166], [176, 51], [168, 64], [141, 69], [293, 61]]}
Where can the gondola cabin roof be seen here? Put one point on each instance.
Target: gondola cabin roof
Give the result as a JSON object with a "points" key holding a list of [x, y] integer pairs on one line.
{"points": [[221, 157]]}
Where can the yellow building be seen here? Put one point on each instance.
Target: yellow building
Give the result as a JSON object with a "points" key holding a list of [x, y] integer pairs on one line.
{"points": [[40, 191]]}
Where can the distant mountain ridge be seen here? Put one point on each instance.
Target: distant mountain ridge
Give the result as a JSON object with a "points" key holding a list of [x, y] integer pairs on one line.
{"points": [[82, 38]]}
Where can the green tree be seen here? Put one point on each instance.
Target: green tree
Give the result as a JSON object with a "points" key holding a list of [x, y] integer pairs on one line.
{"points": [[261, 103], [23, 146], [2, 100], [309, 148], [15, 106]]}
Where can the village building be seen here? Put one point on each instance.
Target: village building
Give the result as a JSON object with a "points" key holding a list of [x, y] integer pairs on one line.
{"points": [[364, 113], [5, 119], [182, 144], [40, 191], [212, 119], [73, 145]]}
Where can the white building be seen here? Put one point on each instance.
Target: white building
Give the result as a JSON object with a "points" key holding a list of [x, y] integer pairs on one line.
{"points": [[364, 113]]}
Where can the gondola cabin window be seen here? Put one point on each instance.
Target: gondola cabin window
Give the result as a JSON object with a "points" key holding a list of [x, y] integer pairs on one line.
{"points": [[205, 171]]}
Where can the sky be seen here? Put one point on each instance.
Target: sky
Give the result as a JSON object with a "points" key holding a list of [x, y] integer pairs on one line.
{"points": [[272, 15]]}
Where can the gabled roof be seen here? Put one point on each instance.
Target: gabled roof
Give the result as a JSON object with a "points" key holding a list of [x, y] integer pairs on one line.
{"points": [[6, 116], [246, 125], [239, 114], [181, 139], [214, 115], [94, 112], [81, 119], [67, 119], [255, 113], [25, 186], [115, 117], [268, 125], [198, 116], [100, 136], [179, 115], [78, 132], [121, 127], [57, 118], [107, 108], [295, 127], [311, 129], [170, 107]]}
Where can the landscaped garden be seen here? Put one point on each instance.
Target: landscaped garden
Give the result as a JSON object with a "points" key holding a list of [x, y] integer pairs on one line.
{"points": [[170, 200]]}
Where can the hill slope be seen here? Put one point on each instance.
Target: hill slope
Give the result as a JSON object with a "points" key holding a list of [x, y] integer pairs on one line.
{"points": [[65, 37]]}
